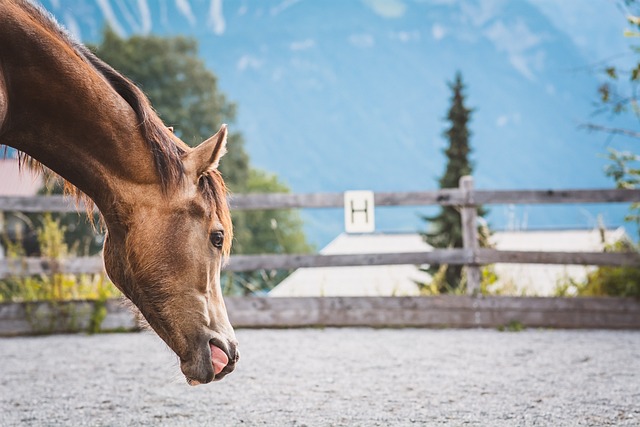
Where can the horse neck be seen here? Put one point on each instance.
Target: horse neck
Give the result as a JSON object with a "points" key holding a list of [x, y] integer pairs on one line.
{"points": [[60, 111]]}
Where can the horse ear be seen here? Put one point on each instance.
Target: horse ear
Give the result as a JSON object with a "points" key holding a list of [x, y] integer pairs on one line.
{"points": [[206, 156]]}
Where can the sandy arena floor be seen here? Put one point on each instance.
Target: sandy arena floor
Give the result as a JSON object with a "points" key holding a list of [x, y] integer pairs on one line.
{"points": [[330, 377]]}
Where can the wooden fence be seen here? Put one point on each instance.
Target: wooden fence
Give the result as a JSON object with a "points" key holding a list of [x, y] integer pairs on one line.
{"points": [[444, 311], [441, 311], [465, 197]]}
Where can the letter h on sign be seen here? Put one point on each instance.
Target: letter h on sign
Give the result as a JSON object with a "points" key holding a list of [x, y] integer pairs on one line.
{"points": [[359, 212]]}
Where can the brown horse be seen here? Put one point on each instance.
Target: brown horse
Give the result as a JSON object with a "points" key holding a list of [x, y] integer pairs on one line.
{"points": [[164, 204]]}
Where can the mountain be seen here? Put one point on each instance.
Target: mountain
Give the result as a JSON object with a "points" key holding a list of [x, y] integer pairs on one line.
{"points": [[339, 95]]}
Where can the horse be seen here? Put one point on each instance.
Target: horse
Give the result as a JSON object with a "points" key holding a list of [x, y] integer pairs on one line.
{"points": [[164, 205]]}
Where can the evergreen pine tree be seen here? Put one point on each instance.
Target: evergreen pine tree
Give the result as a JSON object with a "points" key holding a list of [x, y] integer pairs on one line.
{"points": [[445, 228]]}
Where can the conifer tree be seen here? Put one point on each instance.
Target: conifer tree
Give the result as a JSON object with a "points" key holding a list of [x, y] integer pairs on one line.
{"points": [[445, 228]]}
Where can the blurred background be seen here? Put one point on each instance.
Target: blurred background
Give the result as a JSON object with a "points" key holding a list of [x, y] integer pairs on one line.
{"points": [[345, 95], [330, 96]]}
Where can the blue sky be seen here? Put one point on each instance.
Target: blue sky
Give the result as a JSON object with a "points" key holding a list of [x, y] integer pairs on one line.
{"points": [[375, 73]]}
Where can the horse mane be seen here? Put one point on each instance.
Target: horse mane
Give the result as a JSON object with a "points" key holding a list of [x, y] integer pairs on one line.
{"points": [[166, 149], [167, 154]]}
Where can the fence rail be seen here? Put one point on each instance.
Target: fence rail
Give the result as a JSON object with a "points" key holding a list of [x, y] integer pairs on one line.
{"points": [[466, 197], [445, 197], [90, 265], [453, 311]]}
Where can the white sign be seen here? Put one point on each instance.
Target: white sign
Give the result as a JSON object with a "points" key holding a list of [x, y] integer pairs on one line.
{"points": [[359, 212]]}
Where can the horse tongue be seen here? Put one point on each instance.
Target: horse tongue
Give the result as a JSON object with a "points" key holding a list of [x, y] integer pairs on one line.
{"points": [[218, 358]]}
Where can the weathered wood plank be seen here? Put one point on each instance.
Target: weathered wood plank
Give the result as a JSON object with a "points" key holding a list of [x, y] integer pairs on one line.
{"points": [[441, 311], [119, 316], [590, 304], [451, 196], [485, 197], [90, 265], [53, 203], [285, 262], [444, 197], [33, 266], [468, 216], [444, 256], [37, 317], [285, 201], [491, 256]]}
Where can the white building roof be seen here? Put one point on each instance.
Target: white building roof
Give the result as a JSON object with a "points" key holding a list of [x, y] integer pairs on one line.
{"points": [[400, 280], [375, 280], [543, 279], [16, 181]]}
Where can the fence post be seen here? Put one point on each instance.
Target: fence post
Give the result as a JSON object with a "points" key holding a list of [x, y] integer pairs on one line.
{"points": [[468, 214]]}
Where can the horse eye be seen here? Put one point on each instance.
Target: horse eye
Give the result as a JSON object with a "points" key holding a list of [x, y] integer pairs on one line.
{"points": [[217, 238]]}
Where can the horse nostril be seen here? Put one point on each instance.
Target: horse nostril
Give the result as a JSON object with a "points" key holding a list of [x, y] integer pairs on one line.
{"points": [[234, 354]]}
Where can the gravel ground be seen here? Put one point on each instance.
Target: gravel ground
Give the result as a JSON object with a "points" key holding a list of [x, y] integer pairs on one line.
{"points": [[330, 377]]}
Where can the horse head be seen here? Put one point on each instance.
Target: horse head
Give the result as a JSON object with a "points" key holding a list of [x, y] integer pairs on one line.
{"points": [[165, 254]]}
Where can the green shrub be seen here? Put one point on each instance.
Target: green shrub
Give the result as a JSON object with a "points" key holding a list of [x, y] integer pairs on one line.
{"points": [[607, 280], [57, 286]]}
